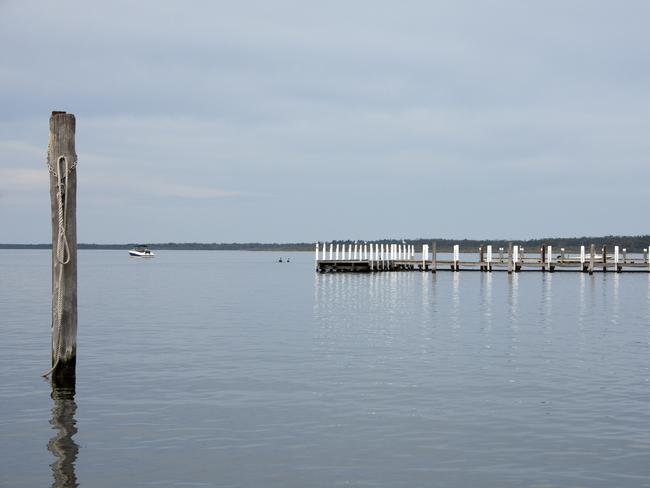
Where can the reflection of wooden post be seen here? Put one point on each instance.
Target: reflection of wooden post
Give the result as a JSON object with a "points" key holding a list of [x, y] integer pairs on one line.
{"points": [[61, 161], [62, 445]]}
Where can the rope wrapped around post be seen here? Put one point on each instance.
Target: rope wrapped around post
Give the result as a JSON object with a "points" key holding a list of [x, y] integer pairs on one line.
{"points": [[61, 253]]}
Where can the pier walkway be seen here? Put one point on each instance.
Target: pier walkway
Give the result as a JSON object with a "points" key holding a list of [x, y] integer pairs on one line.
{"points": [[403, 257]]}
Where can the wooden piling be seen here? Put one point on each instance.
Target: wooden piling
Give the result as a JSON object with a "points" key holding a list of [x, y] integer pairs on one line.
{"points": [[510, 263], [592, 252], [62, 161], [433, 256]]}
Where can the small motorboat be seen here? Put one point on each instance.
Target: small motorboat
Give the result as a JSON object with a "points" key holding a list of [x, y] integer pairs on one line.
{"points": [[141, 252]]}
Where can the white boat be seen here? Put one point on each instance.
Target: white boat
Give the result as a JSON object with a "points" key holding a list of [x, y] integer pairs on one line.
{"points": [[141, 252]]}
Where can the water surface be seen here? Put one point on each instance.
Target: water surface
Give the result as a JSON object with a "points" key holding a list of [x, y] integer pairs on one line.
{"points": [[231, 369]]}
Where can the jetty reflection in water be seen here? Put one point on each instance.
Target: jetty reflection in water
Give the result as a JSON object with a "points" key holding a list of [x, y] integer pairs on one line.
{"points": [[62, 445]]}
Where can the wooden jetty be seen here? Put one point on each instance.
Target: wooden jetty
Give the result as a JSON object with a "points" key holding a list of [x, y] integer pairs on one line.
{"points": [[374, 257]]}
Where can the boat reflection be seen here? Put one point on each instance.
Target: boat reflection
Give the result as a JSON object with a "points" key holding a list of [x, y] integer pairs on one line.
{"points": [[62, 445]]}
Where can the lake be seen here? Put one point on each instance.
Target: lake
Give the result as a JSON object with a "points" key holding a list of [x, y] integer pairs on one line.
{"points": [[230, 369]]}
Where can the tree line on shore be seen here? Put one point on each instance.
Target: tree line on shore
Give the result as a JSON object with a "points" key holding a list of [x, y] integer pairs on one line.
{"points": [[631, 243]]}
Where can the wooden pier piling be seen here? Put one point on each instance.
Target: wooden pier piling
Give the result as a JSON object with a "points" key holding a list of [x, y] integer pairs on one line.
{"points": [[434, 252], [62, 162], [510, 262]]}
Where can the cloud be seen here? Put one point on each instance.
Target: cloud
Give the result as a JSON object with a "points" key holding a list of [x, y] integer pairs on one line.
{"points": [[17, 180], [189, 191], [369, 112]]}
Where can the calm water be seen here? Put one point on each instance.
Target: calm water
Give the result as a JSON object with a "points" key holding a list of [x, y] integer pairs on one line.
{"points": [[230, 369]]}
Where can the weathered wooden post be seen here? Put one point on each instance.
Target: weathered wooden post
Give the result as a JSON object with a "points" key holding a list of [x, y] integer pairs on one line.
{"points": [[316, 258], [509, 257], [605, 258], [592, 252], [61, 163], [433, 257]]}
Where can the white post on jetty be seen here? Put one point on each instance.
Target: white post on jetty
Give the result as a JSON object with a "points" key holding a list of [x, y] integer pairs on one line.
{"points": [[489, 257], [616, 259], [331, 248], [515, 257], [456, 256], [316, 260], [549, 257], [582, 257], [354, 256], [336, 255], [425, 255]]}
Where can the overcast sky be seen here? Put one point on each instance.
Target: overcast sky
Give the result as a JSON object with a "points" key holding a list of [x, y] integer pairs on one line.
{"points": [[301, 121]]}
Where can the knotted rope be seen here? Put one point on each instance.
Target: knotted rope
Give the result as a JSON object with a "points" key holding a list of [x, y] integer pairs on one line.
{"points": [[61, 253]]}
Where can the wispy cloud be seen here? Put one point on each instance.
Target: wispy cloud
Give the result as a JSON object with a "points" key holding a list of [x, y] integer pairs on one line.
{"points": [[190, 191], [18, 180]]}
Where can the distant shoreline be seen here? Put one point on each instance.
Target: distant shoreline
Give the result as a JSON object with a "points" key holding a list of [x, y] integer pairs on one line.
{"points": [[631, 243]]}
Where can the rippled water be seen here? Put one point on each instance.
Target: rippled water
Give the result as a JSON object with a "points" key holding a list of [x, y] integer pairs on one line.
{"points": [[231, 369]]}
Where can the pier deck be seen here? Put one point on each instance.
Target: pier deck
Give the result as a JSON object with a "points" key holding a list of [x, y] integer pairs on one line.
{"points": [[401, 257]]}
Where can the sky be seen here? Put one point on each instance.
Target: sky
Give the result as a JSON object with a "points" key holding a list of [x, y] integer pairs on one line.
{"points": [[287, 121]]}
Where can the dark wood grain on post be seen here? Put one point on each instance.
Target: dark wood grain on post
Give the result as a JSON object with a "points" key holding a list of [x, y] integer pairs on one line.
{"points": [[64, 275], [592, 257]]}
